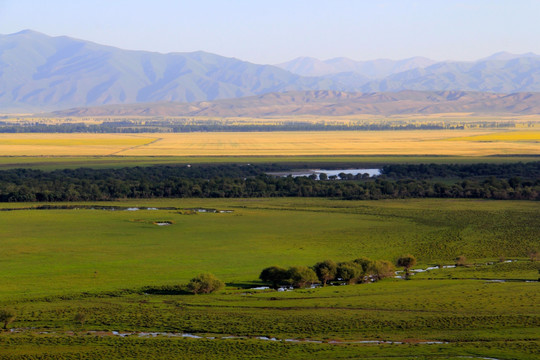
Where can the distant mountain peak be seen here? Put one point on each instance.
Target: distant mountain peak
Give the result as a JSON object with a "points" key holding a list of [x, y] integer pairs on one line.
{"points": [[505, 56], [27, 32]]}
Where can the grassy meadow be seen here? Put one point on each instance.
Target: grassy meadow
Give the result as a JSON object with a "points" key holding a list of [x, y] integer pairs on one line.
{"points": [[59, 263], [49, 163], [96, 250]]}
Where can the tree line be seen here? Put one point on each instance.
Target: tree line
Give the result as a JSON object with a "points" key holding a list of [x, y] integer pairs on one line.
{"points": [[217, 126], [530, 170], [502, 181]]}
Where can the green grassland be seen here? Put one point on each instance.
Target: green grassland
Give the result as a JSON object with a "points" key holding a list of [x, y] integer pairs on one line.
{"points": [[464, 318], [60, 262], [98, 250], [100, 162]]}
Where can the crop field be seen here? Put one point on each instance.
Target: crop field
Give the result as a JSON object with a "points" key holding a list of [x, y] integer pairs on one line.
{"points": [[69, 144], [313, 143], [58, 263], [526, 136]]}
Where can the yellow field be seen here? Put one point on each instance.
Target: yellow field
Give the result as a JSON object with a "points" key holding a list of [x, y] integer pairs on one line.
{"points": [[415, 142], [530, 136], [69, 144]]}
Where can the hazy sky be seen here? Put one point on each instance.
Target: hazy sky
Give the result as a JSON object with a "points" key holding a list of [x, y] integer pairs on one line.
{"points": [[280, 30]]}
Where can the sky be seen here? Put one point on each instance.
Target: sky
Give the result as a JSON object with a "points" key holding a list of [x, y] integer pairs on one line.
{"points": [[271, 32]]}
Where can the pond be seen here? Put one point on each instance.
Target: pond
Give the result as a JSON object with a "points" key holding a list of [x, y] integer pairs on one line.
{"points": [[318, 172]]}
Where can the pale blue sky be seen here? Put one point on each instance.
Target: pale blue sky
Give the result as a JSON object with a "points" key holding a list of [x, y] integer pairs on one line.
{"points": [[280, 30]]}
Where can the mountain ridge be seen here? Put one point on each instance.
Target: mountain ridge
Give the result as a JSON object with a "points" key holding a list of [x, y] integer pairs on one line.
{"points": [[43, 73], [330, 103]]}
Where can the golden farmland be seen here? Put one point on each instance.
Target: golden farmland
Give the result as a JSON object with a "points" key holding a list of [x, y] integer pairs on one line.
{"points": [[529, 136], [404, 142], [69, 144]]}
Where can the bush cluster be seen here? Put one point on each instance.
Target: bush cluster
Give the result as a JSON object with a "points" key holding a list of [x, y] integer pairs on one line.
{"points": [[360, 270]]}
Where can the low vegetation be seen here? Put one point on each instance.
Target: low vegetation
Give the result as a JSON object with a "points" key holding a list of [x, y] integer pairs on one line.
{"points": [[205, 284]]}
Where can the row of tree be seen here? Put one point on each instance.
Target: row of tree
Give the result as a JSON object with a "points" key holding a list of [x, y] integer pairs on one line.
{"points": [[206, 126], [236, 181], [518, 171], [110, 188], [360, 270]]}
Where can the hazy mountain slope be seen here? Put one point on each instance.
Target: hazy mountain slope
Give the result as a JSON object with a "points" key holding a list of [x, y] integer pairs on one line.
{"points": [[42, 72], [332, 103], [515, 75], [502, 72], [371, 69]]}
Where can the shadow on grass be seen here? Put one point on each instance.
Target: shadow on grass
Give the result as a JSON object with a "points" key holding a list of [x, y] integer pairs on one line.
{"points": [[166, 290], [245, 285]]}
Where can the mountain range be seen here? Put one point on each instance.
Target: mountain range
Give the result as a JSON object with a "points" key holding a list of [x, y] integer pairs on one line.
{"points": [[329, 103], [43, 73]]}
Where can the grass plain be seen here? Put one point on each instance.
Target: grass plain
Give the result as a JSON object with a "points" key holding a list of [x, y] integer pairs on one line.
{"points": [[100, 250], [81, 261], [300, 162]]}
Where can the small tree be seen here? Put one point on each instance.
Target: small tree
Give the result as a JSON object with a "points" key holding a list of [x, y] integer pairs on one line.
{"points": [[302, 276], [349, 272], [406, 262], [326, 270], [7, 317], [275, 275], [534, 255], [204, 284], [381, 269]]}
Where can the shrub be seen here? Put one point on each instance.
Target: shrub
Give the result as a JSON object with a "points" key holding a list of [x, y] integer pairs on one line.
{"points": [[80, 318], [204, 284], [461, 260]]}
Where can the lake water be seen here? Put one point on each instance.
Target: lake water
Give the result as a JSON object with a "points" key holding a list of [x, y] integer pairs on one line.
{"points": [[370, 172]]}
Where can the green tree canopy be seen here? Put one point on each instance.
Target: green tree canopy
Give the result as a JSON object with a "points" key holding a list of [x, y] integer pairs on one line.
{"points": [[326, 270], [275, 275], [350, 272], [302, 276], [406, 262]]}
